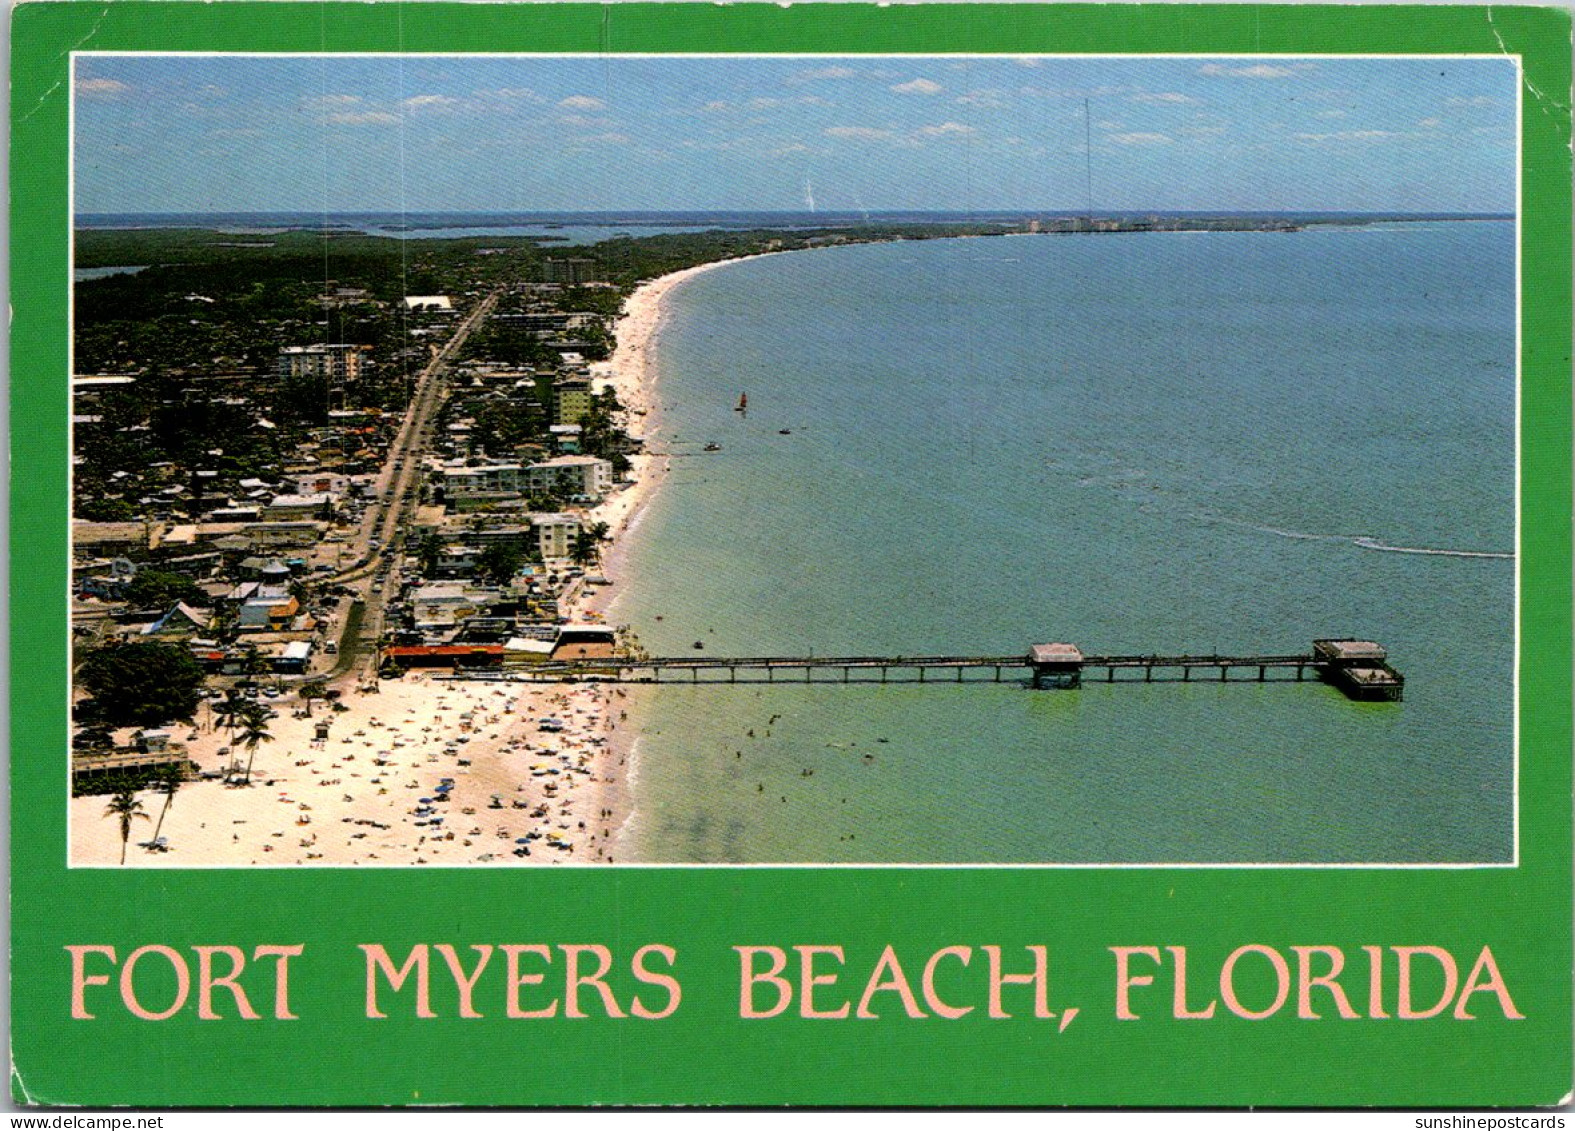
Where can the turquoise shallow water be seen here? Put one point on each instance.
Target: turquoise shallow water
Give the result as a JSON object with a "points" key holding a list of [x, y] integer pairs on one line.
{"points": [[1152, 443]]}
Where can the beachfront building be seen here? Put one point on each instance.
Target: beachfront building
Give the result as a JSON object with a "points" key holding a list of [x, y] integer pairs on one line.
{"points": [[571, 400], [566, 438], [445, 604], [579, 477], [555, 535], [467, 487]]}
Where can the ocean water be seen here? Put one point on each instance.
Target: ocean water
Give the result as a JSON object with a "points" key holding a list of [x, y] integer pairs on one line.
{"points": [[1231, 442]]}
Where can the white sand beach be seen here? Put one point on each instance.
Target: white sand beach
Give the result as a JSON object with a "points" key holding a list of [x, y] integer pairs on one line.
{"points": [[426, 769]]}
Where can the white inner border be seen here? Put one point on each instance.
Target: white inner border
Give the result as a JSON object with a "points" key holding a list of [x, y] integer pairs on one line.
{"points": [[1520, 85]]}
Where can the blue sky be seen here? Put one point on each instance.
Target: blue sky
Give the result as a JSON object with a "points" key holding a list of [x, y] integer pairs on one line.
{"points": [[187, 134]]}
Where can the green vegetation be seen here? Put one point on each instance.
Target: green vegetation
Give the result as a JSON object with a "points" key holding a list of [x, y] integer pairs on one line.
{"points": [[588, 544], [170, 784], [125, 808], [143, 685], [500, 561], [155, 589], [310, 690], [254, 719]]}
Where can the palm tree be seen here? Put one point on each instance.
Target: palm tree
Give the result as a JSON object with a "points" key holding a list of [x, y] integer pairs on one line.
{"points": [[252, 662], [588, 543], [169, 785], [312, 689], [229, 710], [254, 730], [125, 806]]}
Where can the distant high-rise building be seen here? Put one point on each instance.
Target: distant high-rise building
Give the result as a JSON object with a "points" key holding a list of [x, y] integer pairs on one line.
{"points": [[338, 365], [569, 271]]}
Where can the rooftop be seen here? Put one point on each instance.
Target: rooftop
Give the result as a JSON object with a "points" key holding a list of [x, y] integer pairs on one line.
{"points": [[1056, 654]]}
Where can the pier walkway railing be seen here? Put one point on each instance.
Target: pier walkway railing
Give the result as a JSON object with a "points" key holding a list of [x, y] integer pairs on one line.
{"points": [[1358, 668]]}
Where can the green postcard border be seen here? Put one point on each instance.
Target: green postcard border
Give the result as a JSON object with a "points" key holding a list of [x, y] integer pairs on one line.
{"points": [[704, 1053]]}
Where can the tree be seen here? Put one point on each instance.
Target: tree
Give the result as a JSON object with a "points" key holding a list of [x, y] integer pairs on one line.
{"points": [[500, 561], [229, 710], [141, 684], [254, 731], [169, 784], [226, 625], [125, 806], [312, 689], [588, 544], [428, 549], [155, 589], [252, 662]]}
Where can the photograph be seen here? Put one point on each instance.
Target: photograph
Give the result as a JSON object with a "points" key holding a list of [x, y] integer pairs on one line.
{"points": [[823, 556], [506, 460]]}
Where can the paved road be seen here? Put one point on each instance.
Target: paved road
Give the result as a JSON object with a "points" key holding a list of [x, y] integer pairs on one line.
{"points": [[401, 469], [397, 491]]}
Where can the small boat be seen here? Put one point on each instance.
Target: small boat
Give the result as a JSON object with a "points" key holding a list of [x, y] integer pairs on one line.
{"points": [[784, 431], [743, 403], [699, 644], [713, 447]]}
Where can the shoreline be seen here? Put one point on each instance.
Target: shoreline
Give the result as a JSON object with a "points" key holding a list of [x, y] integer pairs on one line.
{"points": [[364, 796], [631, 372]]}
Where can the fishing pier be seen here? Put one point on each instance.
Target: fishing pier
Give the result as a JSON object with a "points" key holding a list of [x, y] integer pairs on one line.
{"points": [[1359, 668]]}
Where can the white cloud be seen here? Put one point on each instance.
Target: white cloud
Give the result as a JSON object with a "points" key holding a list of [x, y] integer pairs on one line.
{"points": [[822, 73], [787, 150], [1430, 123], [1111, 125], [584, 122], [326, 100], [511, 94], [1479, 100], [1028, 61], [1107, 91], [1202, 131], [1349, 135], [857, 133], [1254, 70], [989, 99], [582, 102], [426, 101], [1141, 139], [1168, 96], [101, 86], [715, 107], [946, 129], [363, 118], [918, 86]]}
